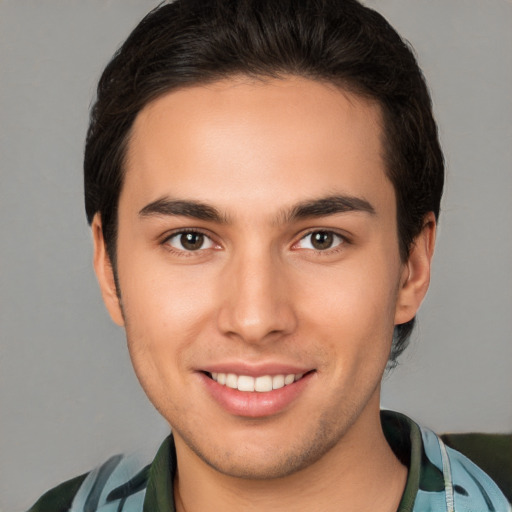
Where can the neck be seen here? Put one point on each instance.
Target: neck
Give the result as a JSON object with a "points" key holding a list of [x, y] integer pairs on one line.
{"points": [[359, 473]]}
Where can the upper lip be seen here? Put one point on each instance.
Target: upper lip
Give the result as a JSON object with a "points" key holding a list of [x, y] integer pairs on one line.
{"points": [[256, 370]]}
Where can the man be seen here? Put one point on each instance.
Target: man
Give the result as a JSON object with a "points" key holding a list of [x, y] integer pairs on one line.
{"points": [[263, 182]]}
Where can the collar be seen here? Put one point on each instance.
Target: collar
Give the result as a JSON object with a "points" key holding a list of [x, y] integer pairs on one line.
{"points": [[403, 435]]}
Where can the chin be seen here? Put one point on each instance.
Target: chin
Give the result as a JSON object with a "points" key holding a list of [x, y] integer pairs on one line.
{"points": [[275, 459]]}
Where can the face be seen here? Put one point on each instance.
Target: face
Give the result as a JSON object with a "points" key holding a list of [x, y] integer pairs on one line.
{"points": [[259, 270]]}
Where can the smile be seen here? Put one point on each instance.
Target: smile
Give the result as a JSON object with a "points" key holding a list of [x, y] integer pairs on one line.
{"points": [[261, 384], [262, 393]]}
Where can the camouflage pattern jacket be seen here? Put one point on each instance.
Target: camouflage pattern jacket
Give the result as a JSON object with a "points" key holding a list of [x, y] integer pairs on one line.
{"points": [[439, 480]]}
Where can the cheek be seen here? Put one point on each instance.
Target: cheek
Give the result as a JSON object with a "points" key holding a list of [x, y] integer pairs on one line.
{"points": [[359, 295], [154, 290], [353, 307], [166, 311], [164, 315]]}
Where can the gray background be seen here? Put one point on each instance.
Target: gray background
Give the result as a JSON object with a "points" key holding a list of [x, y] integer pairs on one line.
{"points": [[67, 393]]}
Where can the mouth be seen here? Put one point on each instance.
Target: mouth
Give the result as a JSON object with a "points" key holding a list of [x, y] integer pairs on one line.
{"points": [[259, 384], [262, 394]]}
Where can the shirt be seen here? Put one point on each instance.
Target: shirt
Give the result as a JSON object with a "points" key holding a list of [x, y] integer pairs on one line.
{"points": [[439, 479]]}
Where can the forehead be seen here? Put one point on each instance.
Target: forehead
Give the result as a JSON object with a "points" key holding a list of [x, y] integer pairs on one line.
{"points": [[257, 142]]}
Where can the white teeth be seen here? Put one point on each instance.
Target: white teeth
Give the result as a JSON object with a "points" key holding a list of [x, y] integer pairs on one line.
{"points": [[289, 379], [262, 384], [277, 381], [245, 383], [231, 381]]}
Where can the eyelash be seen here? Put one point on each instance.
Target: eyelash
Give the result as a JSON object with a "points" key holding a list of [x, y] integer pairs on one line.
{"points": [[187, 253], [343, 241], [184, 252]]}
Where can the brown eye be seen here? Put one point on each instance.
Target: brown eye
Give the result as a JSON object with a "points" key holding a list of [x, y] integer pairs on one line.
{"points": [[189, 241], [192, 241], [320, 240]]}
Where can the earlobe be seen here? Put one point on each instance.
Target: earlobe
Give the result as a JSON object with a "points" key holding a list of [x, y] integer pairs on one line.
{"points": [[105, 272], [415, 277]]}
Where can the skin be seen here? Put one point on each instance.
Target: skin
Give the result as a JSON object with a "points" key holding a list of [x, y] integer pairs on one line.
{"points": [[258, 292]]}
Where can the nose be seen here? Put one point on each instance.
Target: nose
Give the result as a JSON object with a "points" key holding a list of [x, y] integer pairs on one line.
{"points": [[257, 300]]}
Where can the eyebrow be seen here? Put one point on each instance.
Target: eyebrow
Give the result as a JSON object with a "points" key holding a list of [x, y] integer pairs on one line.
{"points": [[330, 205], [321, 207], [194, 209]]}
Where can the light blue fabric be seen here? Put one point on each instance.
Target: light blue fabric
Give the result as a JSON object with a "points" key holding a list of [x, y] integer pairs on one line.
{"points": [[448, 481], [467, 487], [93, 495]]}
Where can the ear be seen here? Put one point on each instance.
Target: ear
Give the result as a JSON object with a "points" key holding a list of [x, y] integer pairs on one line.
{"points": [[415, 276], [105, 272]]}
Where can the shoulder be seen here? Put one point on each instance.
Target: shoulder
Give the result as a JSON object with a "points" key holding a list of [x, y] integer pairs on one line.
{"points": [[59, 498], [466, 486], [120, 481], [490, 452]]}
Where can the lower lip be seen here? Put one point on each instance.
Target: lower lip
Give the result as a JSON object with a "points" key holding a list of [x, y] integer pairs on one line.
{"points": [[255, 404]]}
